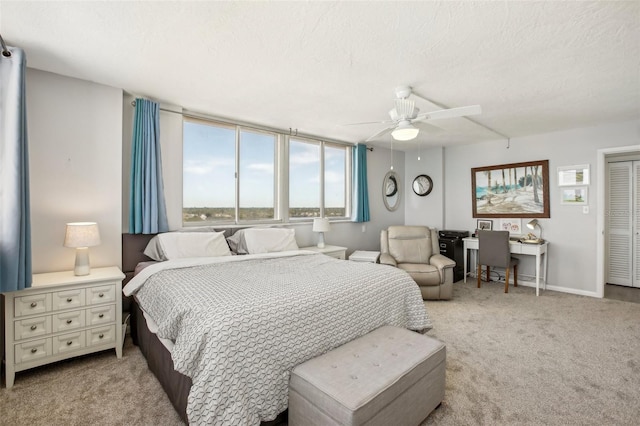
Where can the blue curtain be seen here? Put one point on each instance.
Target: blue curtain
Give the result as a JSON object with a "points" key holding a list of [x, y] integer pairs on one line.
{"points": [[147, 210], [15, 227], [360, 188]]}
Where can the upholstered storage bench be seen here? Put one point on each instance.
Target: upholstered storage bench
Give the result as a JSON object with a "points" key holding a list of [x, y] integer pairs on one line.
{"points": [[390, 376]]}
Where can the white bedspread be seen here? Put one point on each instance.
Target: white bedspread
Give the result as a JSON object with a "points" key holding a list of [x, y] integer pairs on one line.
{"points": [[241, 323]]}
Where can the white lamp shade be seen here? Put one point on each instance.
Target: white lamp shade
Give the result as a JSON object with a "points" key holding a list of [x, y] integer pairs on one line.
{"points": [[82, 234], [405, 132], [321, 224]]}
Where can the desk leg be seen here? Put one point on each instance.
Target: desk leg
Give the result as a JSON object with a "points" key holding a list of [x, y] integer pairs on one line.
{"points": [[537, 274], [465, 264], [544, 276]]}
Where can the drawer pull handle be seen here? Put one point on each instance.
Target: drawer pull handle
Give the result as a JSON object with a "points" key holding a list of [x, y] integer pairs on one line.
{"points": [[33, 327], [34, 350], [101, 295], [34, 304], [69, 342], [69, 299], [101, 335], [101, 316], [69, 321]]}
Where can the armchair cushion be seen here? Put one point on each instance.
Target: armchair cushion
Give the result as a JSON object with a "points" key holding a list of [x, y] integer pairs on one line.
{"points": [[422, 273], [410, 244]]}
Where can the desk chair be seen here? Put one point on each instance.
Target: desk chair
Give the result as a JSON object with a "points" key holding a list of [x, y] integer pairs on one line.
{"points": [[493, 250]]}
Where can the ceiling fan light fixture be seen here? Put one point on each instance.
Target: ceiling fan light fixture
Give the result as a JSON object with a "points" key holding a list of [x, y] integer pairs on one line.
{"points": [[405, 132]]}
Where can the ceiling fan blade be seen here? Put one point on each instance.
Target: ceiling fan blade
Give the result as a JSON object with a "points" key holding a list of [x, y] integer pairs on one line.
{"points": [[449, 113], [380, 133], [368, 122]]}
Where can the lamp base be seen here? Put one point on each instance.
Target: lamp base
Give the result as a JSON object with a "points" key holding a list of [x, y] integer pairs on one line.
{"points": [[320, 239], [82, 261]]}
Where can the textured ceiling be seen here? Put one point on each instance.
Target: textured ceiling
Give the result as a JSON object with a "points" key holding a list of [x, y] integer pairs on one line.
{"points": [[534, 67]]}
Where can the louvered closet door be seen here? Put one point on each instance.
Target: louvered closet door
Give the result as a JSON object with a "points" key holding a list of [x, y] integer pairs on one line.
{"points": [[620, 224]]}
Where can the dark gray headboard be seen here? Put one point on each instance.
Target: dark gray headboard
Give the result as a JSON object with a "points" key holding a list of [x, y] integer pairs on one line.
{"points": [[133, 246]]}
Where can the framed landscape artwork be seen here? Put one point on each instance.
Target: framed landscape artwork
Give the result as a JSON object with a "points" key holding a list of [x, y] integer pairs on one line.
{"points": [[514, 190]]}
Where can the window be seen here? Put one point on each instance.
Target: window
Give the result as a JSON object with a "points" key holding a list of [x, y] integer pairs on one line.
{"points": [[318, 178], [235, 174], [208, 184]]}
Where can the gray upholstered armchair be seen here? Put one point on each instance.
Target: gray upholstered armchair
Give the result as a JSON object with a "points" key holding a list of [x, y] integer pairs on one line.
{"points": [[415, 249]]}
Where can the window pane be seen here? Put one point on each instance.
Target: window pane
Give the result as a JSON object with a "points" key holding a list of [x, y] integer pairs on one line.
{"points": [[335, 163], [208, 173], [257, 175], [304, 179]]}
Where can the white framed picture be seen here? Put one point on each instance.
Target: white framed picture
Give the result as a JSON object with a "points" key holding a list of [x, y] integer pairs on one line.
{"points": [[573, 175], [514, 226], [576, 196]]}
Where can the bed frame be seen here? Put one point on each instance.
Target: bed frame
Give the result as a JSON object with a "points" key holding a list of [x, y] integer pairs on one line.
{"points": [[175, 384]]}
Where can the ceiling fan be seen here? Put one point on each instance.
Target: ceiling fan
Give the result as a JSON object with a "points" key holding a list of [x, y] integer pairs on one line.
{"points": [[406, 113]]}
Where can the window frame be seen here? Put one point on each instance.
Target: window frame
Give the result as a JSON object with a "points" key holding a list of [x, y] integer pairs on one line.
{"points": [[281, 169]]}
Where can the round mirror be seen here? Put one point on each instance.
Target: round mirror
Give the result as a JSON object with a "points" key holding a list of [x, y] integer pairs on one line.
{"points": [[391, 190]]}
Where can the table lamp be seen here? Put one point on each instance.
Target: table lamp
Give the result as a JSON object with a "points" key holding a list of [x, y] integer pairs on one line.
{"points": [[321, 225], [81, 236], [533, 224]]}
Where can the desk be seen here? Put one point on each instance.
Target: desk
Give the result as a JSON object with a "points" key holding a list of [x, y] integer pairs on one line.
{"points": [[516, 247]]}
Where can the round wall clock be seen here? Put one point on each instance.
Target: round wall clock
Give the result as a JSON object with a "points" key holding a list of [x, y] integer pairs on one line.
{"points": [[422, 185]]}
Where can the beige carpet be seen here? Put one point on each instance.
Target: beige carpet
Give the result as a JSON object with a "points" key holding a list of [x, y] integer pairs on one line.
{"points": [[557, 359]]}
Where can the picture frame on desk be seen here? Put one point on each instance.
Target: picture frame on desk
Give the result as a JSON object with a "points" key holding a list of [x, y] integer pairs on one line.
{"points": [[484, 225], [516, 190], [514, 226]]}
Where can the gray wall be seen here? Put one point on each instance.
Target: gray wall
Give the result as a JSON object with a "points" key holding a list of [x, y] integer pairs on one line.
{"points": [[571, 234], [75, 166], [80, 145]]}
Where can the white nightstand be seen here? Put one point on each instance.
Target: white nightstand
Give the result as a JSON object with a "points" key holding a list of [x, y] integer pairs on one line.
{"points": [[62, 316], [333, 251]]}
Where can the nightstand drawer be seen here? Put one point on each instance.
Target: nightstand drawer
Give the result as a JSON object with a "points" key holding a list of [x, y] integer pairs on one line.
{"points": [[30, 305], [101, 335], [101, 315], [32, 327], [68, 299], [69, 342], [68, 321], [102, 294], [32, 351]]}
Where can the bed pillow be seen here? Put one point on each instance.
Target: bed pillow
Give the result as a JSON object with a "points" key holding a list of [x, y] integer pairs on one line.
{"points": [[177, 245], [236, 242], [269, 240]]}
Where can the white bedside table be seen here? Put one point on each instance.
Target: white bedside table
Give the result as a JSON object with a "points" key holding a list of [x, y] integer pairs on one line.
{"points": [[62, 316], [333, 251]]}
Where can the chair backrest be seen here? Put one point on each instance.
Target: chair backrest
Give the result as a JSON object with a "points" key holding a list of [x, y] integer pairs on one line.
{"points": [[410, 244], [493, 248]]}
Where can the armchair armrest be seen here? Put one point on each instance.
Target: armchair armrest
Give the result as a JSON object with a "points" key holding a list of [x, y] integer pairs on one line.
{"points": [[387, 259], [441, 262]]}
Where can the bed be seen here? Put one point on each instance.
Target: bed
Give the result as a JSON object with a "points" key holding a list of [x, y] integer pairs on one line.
{"points": [[223, 333]]}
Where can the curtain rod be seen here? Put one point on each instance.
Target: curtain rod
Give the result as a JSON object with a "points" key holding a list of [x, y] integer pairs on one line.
{"points": [[5, 51], [133, 104]]}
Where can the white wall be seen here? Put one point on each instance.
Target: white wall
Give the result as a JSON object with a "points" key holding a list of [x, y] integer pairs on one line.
{"points": [[427, 210], [75, 165], [571, 234]]}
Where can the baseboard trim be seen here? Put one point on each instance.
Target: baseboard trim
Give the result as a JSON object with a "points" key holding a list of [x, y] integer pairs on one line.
{"points": [[560, 289]]}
